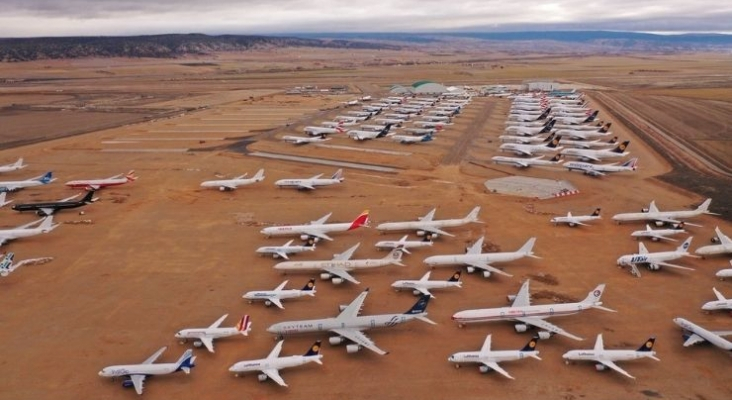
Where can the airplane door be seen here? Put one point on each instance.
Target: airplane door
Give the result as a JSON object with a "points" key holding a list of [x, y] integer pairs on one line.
{"points": [[320, 327]]}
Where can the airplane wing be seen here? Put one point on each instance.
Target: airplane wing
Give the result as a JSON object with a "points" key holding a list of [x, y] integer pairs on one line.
{"points": [[432, 229], [589, 157], [317, 234], [346, 255], [317, 176], [486, 348], [477, 247], [282, 254], [218, 322], [665, 264], [208, 342], [494, 366], [522, 151], [139, 382], [342, 274], [115, 177], [276, 350], [360, 339], [429, 216], [304, 186], [424, 291], [540, 323], [693, 339], [229, 186], [274, 375], [661, 237], [354, 308], [322, 219], [69, 198], [155, 356], [93, 186], [574, 221], [487, 267], [47, 211], [614, 367], [523, 298], [277, 302]]}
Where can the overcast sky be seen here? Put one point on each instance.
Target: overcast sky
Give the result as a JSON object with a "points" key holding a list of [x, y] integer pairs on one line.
{"points": [[25, 18]]}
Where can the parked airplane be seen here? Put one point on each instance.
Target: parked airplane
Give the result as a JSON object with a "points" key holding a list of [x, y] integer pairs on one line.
{"points": [[337, 269], [280, 293], [529, 130], [721, 303], [474, 258], [589, 144], [136, 373], [96, 184], [659, 234], [7, 266], [527, 315], [664, 217], [3, 203], [305, 139], [429, 227], [367, 135], [270, 367], [232, 184], [318, 229], [431, 124], [597, 155], [206, 336], [490, 358], [11, 186], [349, 325], [282, 251], [50, 207], [408, 139], [311, 183], [423, 285], [520, 162], [422, 131], [586, 134], [403, 244], [655, 261], [725, 273], [606, 358], [577, 120], [574, 220], [694, 334], [531, 149], [601, 169], [45, 225], [724, 246], [14, 166]]}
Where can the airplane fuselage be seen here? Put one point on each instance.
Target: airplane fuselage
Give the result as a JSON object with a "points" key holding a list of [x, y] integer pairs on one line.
{"points": [[607, 355], [275, 363], [407, 244], [96, 183], [347, 265], [714, 249], [226, 183], [138, 369], [486, 258], [421, 225], [522, 162], [326, 324], [589, 154], [717, 305], [12, 186], [649, 258], [54, 205], [213, 333], [275, 250], [656, 216], [705, 334], [511, 313], [414, 284], [299, 183], [266, 295], [583, 166], [493, 356], [655, 233], [291, 230]]}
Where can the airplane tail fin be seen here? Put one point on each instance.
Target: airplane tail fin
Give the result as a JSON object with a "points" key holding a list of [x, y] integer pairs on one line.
{"points": [[549, 138], [648, 345], [554, 143], [527, 248], [704, 207], [130, 176], [455, 277], [632, 163], [186, 362], [420, 306], [340, 129], [46, 178], [259, 176], [89, 198], [427, 137], [309, 287], [613, 140], [361, 220], [473, 215], [338, 175], [556, 158], [596, 213], [19, 163], [314, 350], [593, 298], [685, 246], [531, 346], [621, 147], [544, 114], [592, 116], [395, 256], [548, 127], [244, 325], [606, 128]]}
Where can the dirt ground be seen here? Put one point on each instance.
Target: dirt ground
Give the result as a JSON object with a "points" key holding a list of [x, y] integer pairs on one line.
{"points": [[161, 254]]}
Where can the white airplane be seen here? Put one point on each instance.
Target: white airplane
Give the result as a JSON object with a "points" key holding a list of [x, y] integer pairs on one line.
{"points": [[574, 220], [590, 144], [527, 315], [490, 358], [206, 336], [11, 186], [721, 303], [474, 258], [530, 130], [285, 249], [423, 285], [392, 121], [136, 373], [280, 293], [601, 169], [232, 184], [403, 244], [45, 225], [318, 229], [428, 226], [3, 203], [270, 367], [655, 261], [361, 135], [664, 217], [694, 334], [597, 155], [520, 162], [310, 183], [409, 139], [586, 134], [531, 149], [349, 325], [724, 246], [659, 234], [96, 184], [337, 269], [333, 124], [725, 273], [606, 358], [304, 139], [322, 130], [431, 124], [14, 166], [577, 120], [7, 266], [422, 131]]}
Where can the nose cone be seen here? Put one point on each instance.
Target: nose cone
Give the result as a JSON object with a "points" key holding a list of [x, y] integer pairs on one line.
{"points": [[272, 329], [451, 358], [621, 261], [565, 355], [103, 373], [709, 306], [178, 335]]}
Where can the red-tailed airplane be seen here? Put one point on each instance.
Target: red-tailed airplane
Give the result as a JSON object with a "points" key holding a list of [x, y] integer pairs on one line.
{"points": [[96, 184]]}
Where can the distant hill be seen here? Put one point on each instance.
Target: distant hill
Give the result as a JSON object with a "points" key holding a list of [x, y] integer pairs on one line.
{"points": [[158, 46]]}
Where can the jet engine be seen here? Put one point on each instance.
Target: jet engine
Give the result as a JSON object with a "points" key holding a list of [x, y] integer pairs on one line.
{"points": [[197, 344], [337, 281], [521, 328], [544, 335], [416, 292], [325, 276], [660, 223], [267, 303], [644, 210], [471, 270], [486, 274], [600, 367], [484, 369], [336, 340], [262, 377], [352, 348], [127, 383], [309, 239]]}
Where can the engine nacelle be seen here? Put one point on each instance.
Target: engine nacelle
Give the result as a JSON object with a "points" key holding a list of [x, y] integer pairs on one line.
{"points": [[471, 270], [416, 292], [337, 280], [715, 240], [511, 298], [261, 377], [197, 344], [325, 276], [571, 224], [421, 233], [483, 369], [654, 267], [352, 348], [267, 303], [336, 340], [486, 274], [644, 210], [309, 239], [660, 223], [127, 383], [521, 328], [544, 335], [600, 367]]}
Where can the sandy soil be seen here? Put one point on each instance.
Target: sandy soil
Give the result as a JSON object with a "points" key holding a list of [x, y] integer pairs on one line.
{"points": [[161, 254]]}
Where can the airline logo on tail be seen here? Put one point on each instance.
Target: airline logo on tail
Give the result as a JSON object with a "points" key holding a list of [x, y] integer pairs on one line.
{"points": [[244, 325], [648, 345], [361, 220]]}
